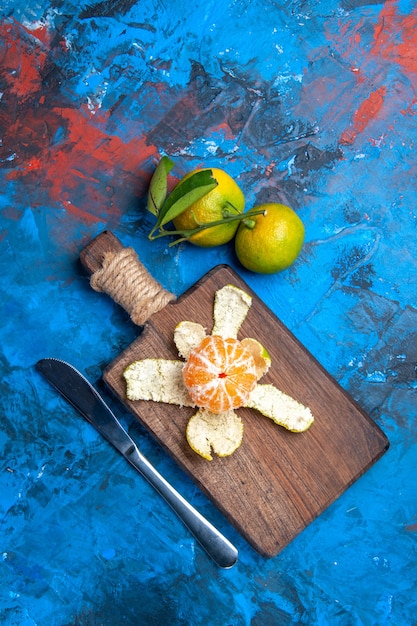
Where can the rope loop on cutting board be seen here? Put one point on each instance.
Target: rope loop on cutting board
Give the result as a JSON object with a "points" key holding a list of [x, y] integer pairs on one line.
{"points": [[125, 279]]}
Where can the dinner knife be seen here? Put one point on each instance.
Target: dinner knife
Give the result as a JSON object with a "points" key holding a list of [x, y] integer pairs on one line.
{"points": [[77, 390]]}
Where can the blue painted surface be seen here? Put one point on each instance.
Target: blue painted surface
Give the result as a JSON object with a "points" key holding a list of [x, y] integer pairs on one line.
{"points": [[308, 103]]}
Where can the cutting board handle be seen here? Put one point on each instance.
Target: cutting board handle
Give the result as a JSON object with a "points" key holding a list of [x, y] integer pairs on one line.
{"points": [[117, 271]]}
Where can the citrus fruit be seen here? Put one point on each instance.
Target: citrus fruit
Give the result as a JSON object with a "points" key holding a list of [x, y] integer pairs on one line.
{"points": [[271, 241], [220, 374], [223, 201]]}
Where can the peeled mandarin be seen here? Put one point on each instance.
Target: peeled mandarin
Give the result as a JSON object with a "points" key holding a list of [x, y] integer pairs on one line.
{"points": [[220, 374]]}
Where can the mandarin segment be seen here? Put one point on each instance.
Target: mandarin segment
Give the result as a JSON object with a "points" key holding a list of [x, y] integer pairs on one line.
{"points": [[220, 374]]}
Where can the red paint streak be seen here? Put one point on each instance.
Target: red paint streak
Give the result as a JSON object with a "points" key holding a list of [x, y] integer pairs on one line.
{"points": [[77, 172], [395, 38], [367, 111], [41, 32], [225, 129], [344, 26], [20, 70], [393, 42], [64, 155], [411, 528], [410, 109]]}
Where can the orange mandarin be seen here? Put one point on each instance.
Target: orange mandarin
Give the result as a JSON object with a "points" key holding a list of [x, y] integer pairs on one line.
{"points": [[220, 374]]}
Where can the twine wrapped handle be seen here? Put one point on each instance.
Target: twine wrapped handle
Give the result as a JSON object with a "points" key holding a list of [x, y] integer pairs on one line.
{"points": [[118, 272]]}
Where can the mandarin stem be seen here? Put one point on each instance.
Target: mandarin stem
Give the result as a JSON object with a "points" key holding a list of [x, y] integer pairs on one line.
{"points": [[186, 234]]}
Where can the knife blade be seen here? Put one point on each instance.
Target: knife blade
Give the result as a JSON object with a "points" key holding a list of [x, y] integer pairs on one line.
{"points": [[78, 391]]}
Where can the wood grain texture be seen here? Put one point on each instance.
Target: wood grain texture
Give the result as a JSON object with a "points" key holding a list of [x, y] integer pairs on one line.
{"points": [[92, 256], [277, 482]]}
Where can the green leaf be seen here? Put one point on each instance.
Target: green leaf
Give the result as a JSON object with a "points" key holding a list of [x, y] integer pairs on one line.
{"points": [[185, 194], [159, 185]]}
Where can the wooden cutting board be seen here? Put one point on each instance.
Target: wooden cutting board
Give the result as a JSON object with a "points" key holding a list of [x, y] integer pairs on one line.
{"points": [[277, 482]]}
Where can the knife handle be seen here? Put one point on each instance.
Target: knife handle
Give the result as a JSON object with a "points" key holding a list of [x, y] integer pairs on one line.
{"points": [[214, 543]]}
